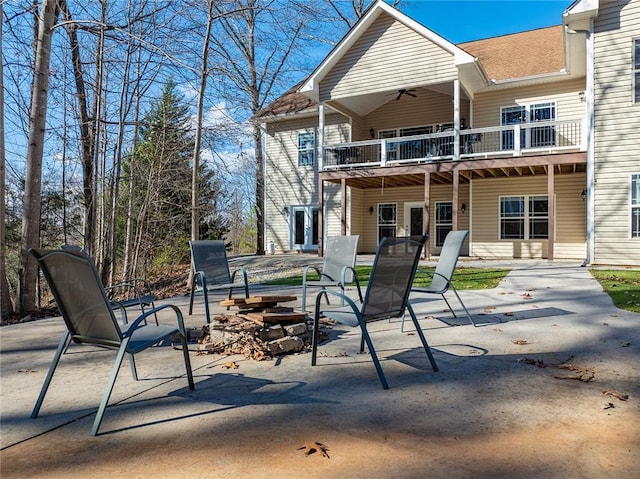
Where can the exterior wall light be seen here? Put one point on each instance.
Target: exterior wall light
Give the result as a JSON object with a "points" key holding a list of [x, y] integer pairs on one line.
{"points": [[583, 194], [370, 210], [463, 208]]}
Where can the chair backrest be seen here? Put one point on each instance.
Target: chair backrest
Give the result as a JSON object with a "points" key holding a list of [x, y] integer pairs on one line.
{"points": [[210, 256], [392, 273], [448, 259], [80, 296], [341, 251]]}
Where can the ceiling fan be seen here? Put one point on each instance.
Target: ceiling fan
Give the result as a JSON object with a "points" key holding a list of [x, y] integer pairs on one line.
{"points": [[404, 91]]}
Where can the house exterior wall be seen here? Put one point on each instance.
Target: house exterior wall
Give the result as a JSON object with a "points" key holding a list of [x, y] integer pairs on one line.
{"points": [[570, 219], [616, 132], [486, 106], [288, 184], [387, 57]]}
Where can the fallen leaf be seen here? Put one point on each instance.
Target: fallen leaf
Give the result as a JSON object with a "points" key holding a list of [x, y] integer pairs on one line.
{"points": [[313, 447], [230, 365], [616, 394], [508, 313], [520, 342], [609, 405], [29, 370], [488, 309], [527, 296], [625, 344], [581, 374], [535, 362]]}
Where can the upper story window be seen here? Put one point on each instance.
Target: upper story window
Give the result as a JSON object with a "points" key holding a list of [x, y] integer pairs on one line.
{"points": [[634, 203], [636, 70], [535, 137], [306, 149]]}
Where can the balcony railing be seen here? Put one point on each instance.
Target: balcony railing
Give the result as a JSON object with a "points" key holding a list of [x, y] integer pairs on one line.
{"points": [[494, 142]]}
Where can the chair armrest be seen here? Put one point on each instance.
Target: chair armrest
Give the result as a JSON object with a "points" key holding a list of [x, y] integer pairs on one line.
{"points": [[141, 320], [347, 299], [140, 287], [242, 270], [355, 279], [306, 269]]}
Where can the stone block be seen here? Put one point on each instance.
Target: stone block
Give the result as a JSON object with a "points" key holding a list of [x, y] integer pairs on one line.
{"points": [[272, 333], [295, 329], [288, 344]]}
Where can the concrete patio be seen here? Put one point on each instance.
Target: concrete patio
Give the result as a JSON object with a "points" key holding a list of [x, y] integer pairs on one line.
{"points": [[490, 412]]}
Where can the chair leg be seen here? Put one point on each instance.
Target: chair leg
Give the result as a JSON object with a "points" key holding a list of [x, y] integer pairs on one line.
{"points": [[193, 289], [314, 337], [422, 338], [304, 297], [109, 388], [206, 302], [374, 356], [187, 361], [464, 307], [62, 347]]}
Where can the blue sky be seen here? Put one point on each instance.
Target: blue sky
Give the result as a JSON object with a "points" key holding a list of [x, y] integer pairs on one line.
{"points": [[465, 20]]}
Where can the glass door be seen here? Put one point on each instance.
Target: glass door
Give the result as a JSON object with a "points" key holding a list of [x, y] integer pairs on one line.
{"points": [[304, 228], [414, 218]]}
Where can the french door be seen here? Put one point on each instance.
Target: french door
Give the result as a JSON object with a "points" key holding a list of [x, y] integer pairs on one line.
{"points": [[304, 228]]}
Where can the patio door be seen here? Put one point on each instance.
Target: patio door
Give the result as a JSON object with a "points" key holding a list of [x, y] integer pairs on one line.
{"points": [[414, 218], [304, 228]]}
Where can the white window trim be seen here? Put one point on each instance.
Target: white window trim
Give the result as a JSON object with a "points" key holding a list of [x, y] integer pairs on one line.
{"points": [[632, 206], [527, 106], [635, 71], [311, 150], [526, 218], [395, 205]]}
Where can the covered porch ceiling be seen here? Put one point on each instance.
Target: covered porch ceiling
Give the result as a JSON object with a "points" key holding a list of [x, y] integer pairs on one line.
{"points": [[365, 103], [443, 172]]}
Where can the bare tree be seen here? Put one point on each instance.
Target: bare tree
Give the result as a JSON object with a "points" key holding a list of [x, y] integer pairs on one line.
{"points": [[6, 305], [33, 183]]}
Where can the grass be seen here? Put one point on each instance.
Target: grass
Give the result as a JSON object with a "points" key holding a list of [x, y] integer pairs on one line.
{"points": [[464, 278], [623, 286]]}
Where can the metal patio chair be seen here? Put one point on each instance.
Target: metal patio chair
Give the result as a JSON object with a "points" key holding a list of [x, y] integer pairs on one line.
{"points": [[211, 272], [89, 318], [386, 297], [338, 268], [129, 292], [441, 279]]}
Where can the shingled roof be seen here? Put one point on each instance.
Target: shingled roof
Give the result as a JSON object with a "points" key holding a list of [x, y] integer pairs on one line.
{"points": [[507, 57], [520, 55]]}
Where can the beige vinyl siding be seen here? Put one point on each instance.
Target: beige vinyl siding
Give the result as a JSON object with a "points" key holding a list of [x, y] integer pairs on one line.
{"points": [[617, 136], [289, 184], [367, 226], [486, 107], [388, 56], [570, 224], [428, 108]]}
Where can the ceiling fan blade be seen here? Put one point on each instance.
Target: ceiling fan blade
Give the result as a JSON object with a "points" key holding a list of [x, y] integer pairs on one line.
{"points": [[399, 95], [411, 94]]}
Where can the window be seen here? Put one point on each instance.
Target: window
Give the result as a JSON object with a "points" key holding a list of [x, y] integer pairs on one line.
{"points": [[306, 149], [387, 220], [529, 137], [524, 217], [408, 148], [636, 70], [444, 220], [635, 205]]}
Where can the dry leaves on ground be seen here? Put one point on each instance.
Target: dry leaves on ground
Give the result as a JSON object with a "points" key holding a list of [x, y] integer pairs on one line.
{"points": [[579, 374], [313, 447], [520, 342], [616, 394]]}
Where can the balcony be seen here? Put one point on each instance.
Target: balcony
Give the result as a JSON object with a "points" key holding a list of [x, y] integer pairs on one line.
{"points": [[520, 139]]}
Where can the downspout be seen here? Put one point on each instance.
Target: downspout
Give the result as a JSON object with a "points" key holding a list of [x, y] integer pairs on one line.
{"points": [[320, 153], [589, 127], [590, 148]]}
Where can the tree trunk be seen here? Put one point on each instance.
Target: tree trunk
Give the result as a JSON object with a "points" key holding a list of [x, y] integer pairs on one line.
{"points": [[33, 180], [6, 305]]}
